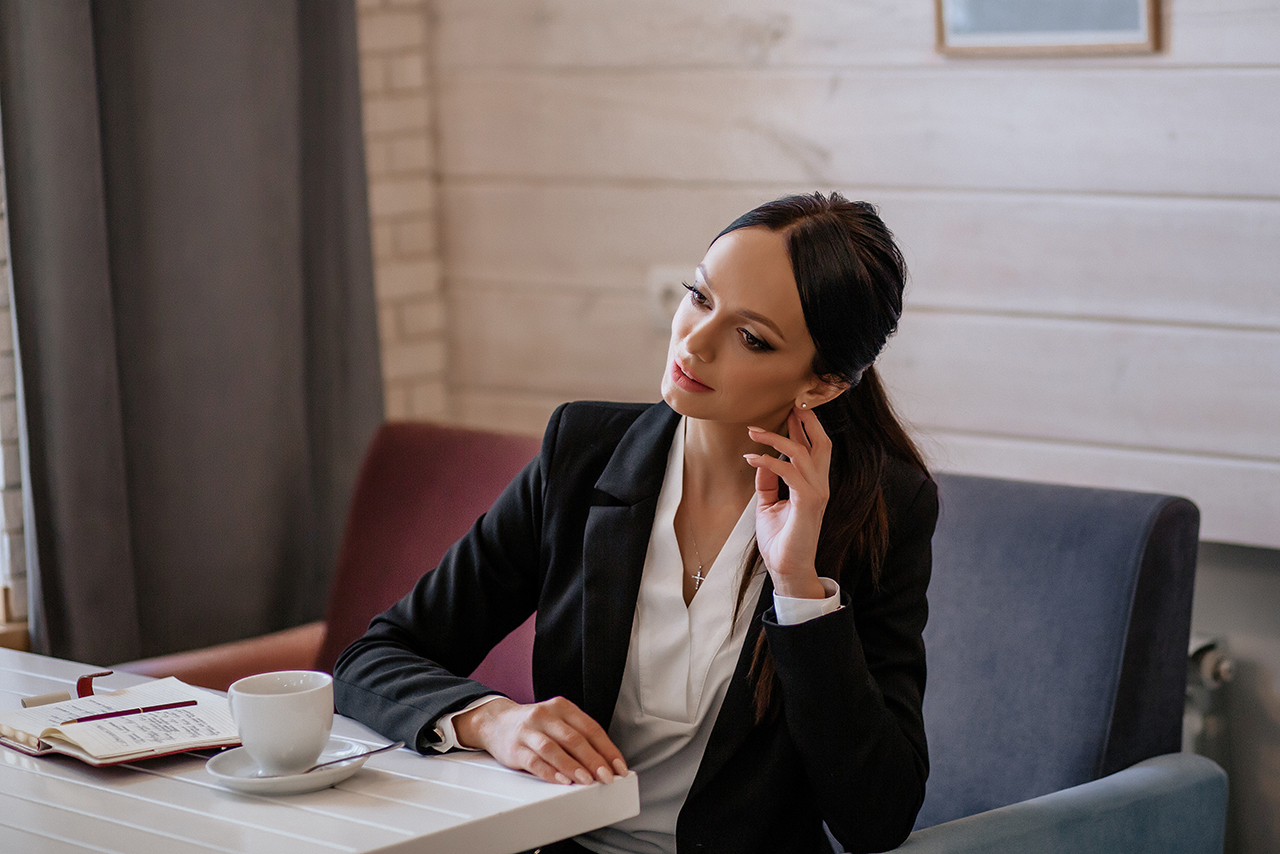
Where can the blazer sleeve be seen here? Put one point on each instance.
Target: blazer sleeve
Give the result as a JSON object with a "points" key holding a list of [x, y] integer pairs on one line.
{"points": [[853, 689], [406, 670]]}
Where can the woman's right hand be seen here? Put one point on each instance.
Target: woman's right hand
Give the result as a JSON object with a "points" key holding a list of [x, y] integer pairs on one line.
{"points": [[554, 740]]}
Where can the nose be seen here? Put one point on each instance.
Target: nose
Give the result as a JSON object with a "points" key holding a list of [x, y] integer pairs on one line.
{"points": [[699, 339]]}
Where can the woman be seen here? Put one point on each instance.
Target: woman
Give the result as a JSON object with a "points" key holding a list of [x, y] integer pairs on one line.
{"points": [[730, 584]]}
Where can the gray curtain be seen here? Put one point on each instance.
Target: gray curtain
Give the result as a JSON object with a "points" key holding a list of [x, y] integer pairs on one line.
{"points": [[195, 311]]}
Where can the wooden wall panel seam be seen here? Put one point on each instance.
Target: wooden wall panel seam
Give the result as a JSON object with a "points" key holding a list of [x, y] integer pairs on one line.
{"points": [[626, 282], [1001, 70], [453, 181], [860, 189], [929, 429], [925, 306]]}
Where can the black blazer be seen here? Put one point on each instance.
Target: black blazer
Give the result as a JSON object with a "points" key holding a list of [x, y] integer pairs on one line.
{"points": [[568, 538]]}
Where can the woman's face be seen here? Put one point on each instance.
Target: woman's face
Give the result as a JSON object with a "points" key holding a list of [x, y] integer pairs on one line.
{"points": [[740, 351]]}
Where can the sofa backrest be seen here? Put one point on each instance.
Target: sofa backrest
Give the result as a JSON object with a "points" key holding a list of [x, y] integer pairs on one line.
{"points": [[1057, 638]]}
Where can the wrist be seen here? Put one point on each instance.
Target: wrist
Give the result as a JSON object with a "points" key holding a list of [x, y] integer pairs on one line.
{"points": [[471, 727], [800, 585]]}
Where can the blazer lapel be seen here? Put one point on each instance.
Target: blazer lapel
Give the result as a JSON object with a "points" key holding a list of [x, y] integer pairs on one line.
{"points": [[737, 713], [615, 542]]}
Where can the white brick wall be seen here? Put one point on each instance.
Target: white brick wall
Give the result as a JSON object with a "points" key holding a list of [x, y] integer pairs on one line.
{"points": [[400, 148], [13, 560]]}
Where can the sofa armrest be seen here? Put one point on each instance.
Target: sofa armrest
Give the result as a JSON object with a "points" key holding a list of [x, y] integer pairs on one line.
{"points": [[1171, 803], [218, 666]]}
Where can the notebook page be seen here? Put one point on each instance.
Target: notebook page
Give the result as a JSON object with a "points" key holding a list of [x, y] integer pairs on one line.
{"points": [[188, 727], [26, 725]]}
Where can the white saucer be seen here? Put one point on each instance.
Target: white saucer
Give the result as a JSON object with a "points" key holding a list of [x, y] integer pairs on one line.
{"points": [[236, 769]]}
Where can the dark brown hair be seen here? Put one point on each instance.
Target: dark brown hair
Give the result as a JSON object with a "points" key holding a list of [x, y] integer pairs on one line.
{"points": [[850, 275]]}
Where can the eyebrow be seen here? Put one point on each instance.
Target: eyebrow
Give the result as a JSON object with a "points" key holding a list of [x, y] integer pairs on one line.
{"points": [[747, 313]]}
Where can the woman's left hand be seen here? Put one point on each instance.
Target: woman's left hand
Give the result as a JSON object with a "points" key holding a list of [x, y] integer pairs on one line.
{"points": [[787, 528]]}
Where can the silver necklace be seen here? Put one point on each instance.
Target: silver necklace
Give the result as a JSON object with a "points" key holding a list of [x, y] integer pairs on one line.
{"points": [[699, 577]]}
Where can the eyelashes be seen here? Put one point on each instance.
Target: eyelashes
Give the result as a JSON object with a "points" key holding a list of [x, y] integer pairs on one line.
{"points": [[696, 296], [754, 343], [751, 342]]}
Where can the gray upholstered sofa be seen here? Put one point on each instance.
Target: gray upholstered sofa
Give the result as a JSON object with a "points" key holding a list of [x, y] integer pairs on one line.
{"points": [[1057, 643]]}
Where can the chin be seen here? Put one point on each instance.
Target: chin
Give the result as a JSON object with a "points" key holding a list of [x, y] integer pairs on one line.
{"points": [[680, 402], [671, 396]]}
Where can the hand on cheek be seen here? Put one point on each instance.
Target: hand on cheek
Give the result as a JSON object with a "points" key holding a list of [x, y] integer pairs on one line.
{"points": [[787, 528]]}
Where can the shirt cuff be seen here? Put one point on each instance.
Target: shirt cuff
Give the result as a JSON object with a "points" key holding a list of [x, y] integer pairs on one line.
{"points": [[447, 738], [790, 610]]}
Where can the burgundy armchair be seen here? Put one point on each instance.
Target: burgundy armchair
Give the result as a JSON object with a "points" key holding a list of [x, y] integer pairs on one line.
{"points": [[420, 488]]}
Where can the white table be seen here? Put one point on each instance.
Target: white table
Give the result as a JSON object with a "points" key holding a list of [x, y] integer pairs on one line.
{"points": [[399, 801]]}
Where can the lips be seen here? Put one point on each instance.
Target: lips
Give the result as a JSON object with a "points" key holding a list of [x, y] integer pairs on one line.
{"points": [[685, 380]]}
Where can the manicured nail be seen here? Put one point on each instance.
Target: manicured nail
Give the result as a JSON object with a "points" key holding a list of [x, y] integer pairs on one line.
{"points": [[582, 777], [560, 778], [754, 429], [604, 775], [620, 767]]}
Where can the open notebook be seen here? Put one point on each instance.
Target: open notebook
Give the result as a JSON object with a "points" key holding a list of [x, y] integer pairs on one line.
{"points": [[125, 729]]}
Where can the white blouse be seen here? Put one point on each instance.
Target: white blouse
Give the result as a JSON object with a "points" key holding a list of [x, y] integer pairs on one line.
{"points": [[679, 665]]}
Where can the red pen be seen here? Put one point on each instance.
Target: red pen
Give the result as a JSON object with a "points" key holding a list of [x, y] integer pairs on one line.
{"points": [[163, 706]]}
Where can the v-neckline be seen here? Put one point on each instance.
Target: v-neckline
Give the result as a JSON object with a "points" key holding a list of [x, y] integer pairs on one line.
{"points": [[675, 482], [690, 636]]}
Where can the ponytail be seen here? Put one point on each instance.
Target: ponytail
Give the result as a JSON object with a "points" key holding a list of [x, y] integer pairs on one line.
{"points": [[850, 275], [865, 433]]}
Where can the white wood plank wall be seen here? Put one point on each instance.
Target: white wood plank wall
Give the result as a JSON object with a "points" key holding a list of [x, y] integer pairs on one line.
{"points": [[1094, 241]]}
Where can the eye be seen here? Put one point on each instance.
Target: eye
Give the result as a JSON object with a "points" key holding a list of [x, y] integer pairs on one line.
{"points": [[696, 296], [754, 343]]}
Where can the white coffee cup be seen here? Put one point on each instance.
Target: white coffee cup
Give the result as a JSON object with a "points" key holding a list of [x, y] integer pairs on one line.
{"points": [[283, 717]]}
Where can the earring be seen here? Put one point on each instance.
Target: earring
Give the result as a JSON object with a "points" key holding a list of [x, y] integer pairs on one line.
{"points": [[804, 406]]}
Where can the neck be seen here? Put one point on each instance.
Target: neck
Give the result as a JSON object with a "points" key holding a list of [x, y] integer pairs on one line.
{"points": [[714, 469]]}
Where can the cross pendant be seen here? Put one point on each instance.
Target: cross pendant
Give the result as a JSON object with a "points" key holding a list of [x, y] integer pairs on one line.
{"points": [[698, 579]]}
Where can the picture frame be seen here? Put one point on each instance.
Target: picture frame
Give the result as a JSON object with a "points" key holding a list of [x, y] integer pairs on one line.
{"points": [[1046, 27]]}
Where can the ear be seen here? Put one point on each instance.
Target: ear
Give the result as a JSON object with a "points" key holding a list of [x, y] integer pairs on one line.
{"points": [[819, 392]]}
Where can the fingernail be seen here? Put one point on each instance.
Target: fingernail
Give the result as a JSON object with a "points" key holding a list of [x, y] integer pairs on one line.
{"points": [[582, 777], [756, 429], [604, 775], [560, 778], [620, 767]]}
